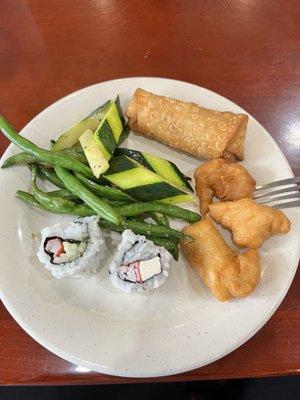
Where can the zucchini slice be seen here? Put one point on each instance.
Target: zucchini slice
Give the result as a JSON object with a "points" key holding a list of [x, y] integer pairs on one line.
{"points": [[162, 167], [93, 153], [140, 182], [71, 136], [108, 133]]}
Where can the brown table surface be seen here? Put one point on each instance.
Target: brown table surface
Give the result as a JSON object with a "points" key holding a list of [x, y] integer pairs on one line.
{"points": [[247, 51]]}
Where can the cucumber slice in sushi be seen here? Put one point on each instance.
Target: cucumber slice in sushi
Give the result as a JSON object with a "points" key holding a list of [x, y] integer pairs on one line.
{"points": [[162, 167], [141, 183], [71, 136]]}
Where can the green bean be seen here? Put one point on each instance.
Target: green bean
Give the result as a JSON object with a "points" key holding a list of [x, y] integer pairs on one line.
{"points": [[167, 244], [64, 193], [46, 199], [80, 210], [76, 153], [103, 191], [43, 155], [160, 219], [25, 158], [167, 209], [145, 229], [29, 199], [76, 187], [18, 159], [50, 175], [74, 150], [115, 203], [70, 196], [46, 173]]}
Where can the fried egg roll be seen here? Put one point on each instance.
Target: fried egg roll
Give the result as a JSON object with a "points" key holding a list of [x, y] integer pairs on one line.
{"points": [[207, 134]]}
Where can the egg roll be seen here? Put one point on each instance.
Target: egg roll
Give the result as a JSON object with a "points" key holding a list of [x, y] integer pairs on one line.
{"points": [[205, 133]]}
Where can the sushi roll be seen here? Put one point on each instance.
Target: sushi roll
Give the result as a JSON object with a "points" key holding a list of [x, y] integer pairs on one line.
{"points": [[139, 264], [74, 249]]}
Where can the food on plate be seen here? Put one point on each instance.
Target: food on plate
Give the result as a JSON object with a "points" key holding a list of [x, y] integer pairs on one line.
{"points": [[109, 131], [100, 207], [250, 223], [170, 245], [42, 155], [71, 136], [48, 175], [139, 182], [25, 158], [160, 166], [82, 195], [132, 210], [72, 249], [226, 273], [186, 126], [223, 179], [139, 264], [160, 235], [104, 191], [99, 135], [93, 153], [107, 123], [56, 198], [119, 189]]}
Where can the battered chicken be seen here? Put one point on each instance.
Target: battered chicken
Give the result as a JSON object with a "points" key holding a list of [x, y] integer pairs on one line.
{"points": [[224, 179], [226, 273], [250, 223]]}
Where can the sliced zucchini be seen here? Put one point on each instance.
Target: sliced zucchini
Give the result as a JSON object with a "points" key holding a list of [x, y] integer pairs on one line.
{"points": [[71, 136], [140, 182], [124, 134], [109, 131], [93, 153], [162, 167]]}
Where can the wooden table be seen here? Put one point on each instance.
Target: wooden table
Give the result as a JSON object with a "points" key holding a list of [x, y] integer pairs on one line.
{"points": [[245, 50]]}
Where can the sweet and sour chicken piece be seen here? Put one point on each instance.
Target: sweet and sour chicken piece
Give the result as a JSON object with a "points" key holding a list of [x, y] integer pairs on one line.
{"points": [[250, 223], [226, 273], [223, 179]]}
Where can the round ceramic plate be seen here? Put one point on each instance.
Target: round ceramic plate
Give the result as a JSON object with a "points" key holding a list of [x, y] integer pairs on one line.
{"points": [[179, 326]]}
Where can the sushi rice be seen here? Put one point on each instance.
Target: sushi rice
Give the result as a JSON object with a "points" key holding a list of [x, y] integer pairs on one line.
{"points": [[139, 264], [82, 239]]}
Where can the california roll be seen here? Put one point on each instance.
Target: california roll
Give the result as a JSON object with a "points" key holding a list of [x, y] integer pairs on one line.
{"points": [[139, 264], [73, 249]]}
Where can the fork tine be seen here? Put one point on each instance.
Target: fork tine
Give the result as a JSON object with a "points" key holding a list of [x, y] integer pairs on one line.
{"points": [[288, 204], [288, 181], [289, 196], [293, 188]]}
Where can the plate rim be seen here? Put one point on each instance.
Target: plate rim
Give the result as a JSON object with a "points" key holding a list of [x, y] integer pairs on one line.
{"points": [[91, 367]]}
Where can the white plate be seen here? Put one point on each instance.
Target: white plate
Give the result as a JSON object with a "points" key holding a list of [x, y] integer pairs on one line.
{"points": [[176, 328]]}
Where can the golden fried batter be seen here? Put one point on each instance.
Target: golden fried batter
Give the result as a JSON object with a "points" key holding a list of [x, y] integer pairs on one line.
{"points": [[226, 273], [205, 133], [250, 223], [224, 179]]}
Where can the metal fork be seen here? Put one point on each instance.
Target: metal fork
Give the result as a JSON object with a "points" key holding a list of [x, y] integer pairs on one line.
{"points": [[270, 194]]}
